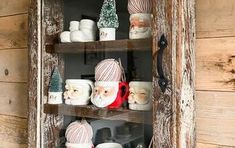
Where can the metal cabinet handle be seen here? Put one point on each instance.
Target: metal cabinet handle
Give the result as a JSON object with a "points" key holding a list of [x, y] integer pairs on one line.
{"points": [[163, 82]]}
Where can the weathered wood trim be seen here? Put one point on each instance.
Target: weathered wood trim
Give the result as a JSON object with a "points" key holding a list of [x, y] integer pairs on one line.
{"points": [[174, 111], [52, 25], [44, 26], [34, 46]]}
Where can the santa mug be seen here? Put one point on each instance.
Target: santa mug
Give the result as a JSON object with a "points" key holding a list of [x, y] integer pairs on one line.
{"points": [[111, 94], [140, 26], [78, 91], [140, 95]]}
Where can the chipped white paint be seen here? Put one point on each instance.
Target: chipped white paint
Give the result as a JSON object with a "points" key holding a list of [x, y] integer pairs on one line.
{"points": [[175, 119], [187, 104]]}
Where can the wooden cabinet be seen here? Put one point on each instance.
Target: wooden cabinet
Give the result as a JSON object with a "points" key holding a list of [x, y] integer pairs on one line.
{"points": [[169, 55]]}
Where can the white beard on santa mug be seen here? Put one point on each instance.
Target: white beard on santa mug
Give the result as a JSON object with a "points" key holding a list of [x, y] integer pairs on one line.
{"points": [[109, 94]]}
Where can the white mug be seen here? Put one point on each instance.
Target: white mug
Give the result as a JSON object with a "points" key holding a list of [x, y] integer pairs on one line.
{"points": [[140, 95], [55, 98], [107, 34], [90, 35], [109, 145], [78, 145], [74, 25], [77, 36], [65, 37], [78, 91], [87, 24]]}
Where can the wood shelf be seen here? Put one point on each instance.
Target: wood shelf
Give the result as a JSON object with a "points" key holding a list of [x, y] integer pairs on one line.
{"points": [[102, 46], [90, 111]]}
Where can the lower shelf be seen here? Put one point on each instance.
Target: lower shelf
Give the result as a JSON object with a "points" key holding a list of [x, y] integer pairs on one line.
{"points": [[90, 111]]}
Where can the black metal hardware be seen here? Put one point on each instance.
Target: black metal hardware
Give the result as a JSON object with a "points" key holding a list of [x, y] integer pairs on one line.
{"points": [[163, 82]]}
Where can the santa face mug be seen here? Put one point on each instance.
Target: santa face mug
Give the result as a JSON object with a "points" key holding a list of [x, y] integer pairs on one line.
{"points": [[140, 95], [140, 26], [111, 94], [78, 91]]}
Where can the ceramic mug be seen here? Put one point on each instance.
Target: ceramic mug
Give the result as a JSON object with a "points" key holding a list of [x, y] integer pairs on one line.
{"points": [[140, 26], [140, 95], [87, 24], [77, 36], [74, 25], [109, 145], [65, 37], [78, 91], [55, 97], [75, 145], [107, 34], [111, 94], [90, 34]]}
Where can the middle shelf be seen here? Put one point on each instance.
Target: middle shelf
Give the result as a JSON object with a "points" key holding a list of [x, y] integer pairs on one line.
{"points": [[101, 46], [91, 111]]}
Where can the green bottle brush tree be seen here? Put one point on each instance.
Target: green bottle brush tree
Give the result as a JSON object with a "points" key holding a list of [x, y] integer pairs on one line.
{"points": [[108, 16], [56, 81], [55, 88]]}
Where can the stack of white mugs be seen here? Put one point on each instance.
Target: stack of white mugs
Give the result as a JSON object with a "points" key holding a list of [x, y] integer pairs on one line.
{"points": [[83, 31]]}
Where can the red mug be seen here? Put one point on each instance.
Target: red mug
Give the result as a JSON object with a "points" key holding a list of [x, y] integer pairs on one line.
{"points": [[111, 94]]}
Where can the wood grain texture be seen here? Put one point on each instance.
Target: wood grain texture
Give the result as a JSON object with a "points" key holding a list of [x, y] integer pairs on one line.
{"points": [[14, 65], [13, 130], [13, 99], [163, 120], [99, 113], [12, 145], [215, 18], [174, 111], [104, 46], [215, 60], [13, 31], [205, 145], [34, 60], [216, 117], [46, 131], [52, 26], [11, 7]]}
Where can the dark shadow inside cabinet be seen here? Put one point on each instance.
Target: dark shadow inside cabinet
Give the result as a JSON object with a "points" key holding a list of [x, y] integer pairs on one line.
{"points": [[137, 66]]}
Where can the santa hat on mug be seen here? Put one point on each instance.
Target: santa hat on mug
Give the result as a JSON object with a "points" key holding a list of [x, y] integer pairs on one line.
{"points": [[109, 70]]}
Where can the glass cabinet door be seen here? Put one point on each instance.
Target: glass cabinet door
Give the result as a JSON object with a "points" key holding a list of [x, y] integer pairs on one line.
{"points": [[111, 74], [105, 76]]}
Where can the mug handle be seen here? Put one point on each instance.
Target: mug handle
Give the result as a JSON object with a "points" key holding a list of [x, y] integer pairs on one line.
{"points": [[90, 83], [126, 86]]}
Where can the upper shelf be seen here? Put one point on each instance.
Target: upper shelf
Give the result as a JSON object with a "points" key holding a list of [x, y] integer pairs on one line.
{"points": [[91, 111], [101, 46]]}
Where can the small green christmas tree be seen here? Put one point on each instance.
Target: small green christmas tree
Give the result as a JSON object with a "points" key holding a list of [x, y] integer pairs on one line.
{"points": [[56, 81], [108, 16]]}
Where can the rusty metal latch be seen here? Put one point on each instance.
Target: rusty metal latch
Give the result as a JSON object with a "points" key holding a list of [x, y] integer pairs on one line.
{"points": [[163, 82]]}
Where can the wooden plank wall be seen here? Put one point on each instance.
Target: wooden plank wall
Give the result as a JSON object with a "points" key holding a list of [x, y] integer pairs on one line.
{"points": [[215, 73], [13, 73]]}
